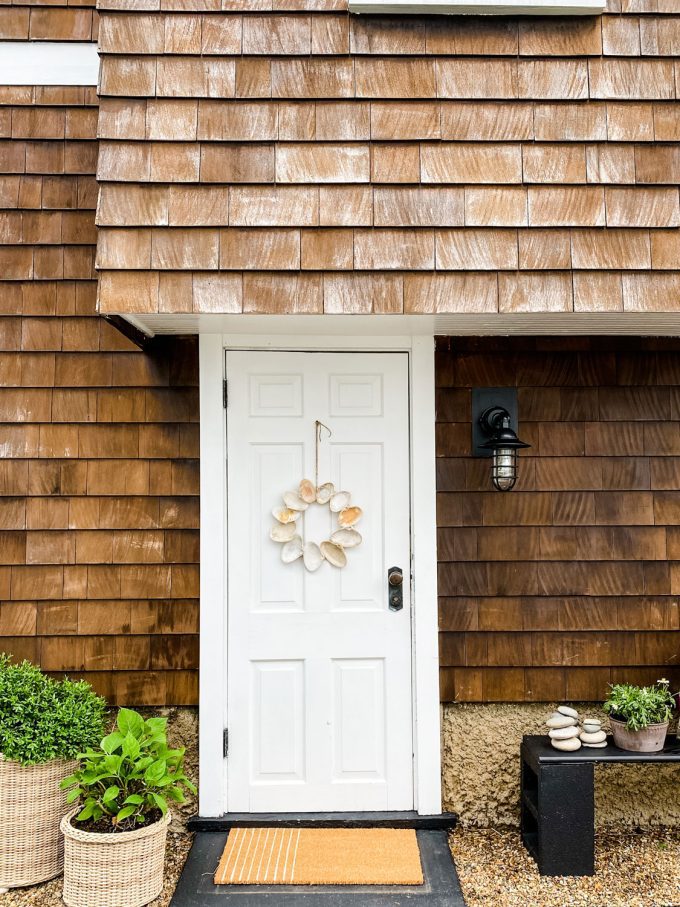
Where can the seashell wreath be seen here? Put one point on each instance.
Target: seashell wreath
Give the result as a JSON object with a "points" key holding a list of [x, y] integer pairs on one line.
{"points": [[288, 522]]}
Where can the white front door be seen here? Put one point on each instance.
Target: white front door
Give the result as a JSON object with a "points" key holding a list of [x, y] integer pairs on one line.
{"points": [[319, 697]]}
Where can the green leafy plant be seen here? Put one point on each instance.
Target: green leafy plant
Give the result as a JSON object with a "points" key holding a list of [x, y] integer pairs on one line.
{"points": [[43, 719], [640, 706], [131, 777]]}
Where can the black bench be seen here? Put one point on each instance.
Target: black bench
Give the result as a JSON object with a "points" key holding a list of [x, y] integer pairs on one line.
{"points": [[558, 802]]}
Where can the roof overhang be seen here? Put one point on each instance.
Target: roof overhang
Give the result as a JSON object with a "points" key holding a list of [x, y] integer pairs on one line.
{"points": [[650, 324], [480, 7]]}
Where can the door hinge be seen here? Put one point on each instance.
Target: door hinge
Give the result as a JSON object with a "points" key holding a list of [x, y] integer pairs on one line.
{"points": [[225, 742], [225, 393]]}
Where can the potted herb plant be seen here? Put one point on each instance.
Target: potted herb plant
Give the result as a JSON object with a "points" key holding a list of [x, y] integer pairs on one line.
{"points": [[44, 724], [639, 716], [115, 839]]}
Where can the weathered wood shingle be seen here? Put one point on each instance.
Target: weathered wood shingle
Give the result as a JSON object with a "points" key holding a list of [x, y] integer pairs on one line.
{"points": [[99, 468], [542, 126]]}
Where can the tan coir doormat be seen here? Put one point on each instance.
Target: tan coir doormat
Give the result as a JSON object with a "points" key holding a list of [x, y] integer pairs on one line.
{"points": [[320, 856]]}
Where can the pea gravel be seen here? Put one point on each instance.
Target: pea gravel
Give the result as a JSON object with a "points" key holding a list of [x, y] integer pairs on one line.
{"points": [[631, 870]]}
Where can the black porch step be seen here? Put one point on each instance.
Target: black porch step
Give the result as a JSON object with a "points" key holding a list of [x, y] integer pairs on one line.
{"points": [[323, 820]]}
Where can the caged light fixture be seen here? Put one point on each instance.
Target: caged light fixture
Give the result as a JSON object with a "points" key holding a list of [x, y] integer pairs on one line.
{"points": [[494, 422]]}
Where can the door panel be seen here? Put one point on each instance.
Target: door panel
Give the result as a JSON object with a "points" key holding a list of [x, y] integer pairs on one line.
{"points": [[319, 668]]}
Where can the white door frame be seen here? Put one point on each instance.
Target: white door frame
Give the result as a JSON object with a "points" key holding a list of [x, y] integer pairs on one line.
{"points": [[213, 558]]}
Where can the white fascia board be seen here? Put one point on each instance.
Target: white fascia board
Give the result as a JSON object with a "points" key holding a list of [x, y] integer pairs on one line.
{"points": [[48, 63], [481, 7]]}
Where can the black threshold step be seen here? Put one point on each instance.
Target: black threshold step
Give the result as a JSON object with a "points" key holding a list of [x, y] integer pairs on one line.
{"points": [[408, 819], [440, 886]]}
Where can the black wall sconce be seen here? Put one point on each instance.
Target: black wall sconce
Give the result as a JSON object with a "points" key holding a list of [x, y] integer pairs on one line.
{"points": [[494, 432]]}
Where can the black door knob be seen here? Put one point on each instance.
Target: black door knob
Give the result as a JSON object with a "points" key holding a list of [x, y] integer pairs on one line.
{"points": [[395, 583]]}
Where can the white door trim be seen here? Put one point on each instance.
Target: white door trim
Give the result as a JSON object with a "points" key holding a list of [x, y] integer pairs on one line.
{"points": [[213, 563]]}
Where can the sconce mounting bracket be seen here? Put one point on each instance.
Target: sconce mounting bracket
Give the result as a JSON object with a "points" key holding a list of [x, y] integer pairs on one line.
{"points": [[484, 398]]}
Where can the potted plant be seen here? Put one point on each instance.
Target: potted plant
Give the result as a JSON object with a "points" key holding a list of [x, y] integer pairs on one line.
{"points": [[115, 839], [44, 724], [639, 716]]}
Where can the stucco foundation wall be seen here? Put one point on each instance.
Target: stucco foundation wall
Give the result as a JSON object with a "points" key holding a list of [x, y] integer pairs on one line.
{"points": [[480, 770]]}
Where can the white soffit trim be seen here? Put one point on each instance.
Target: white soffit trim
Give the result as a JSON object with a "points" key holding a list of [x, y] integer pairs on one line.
{"points": [[48, 63], [481, 7], [652, 324]]}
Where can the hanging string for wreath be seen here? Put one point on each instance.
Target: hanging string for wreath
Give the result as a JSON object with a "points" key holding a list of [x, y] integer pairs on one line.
{"points": [[290, 518]]}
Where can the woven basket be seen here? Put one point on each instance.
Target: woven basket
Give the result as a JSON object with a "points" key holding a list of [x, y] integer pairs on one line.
{"points": [[113, 870], [31, 808]]}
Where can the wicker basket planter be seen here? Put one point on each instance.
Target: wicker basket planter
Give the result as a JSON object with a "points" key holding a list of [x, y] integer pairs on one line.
{"points": [[31, 808], [113, 870]]}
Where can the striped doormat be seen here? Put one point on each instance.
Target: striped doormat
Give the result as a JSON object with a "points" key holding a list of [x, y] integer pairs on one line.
{"points": [[320, 856]]}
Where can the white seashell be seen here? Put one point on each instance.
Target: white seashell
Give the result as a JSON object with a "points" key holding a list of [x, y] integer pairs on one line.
{"points": [[349, 516], [596, 737], [285, 514], [333, 554], [293, 501], [339, 501], [567, 746], [563, 733], [307, 491], [560, 721], [567, 710], [324, 492], [292, 550], [346, 538], [312, 556], [282, 532]]}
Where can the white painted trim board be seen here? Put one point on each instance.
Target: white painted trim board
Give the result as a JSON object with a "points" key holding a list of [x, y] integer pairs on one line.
{"points": [[48, 63]]}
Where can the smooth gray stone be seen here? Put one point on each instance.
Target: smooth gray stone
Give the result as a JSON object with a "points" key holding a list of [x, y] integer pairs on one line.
{"points": [[567, 710]]}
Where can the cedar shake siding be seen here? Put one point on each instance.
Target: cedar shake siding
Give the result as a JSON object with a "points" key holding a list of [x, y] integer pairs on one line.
{"points": [[283, 157], [46, 21], [98, 441], [570, 581], [302, 159]]}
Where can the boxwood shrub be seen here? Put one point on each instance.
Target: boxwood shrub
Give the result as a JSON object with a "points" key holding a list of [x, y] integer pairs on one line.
{"points": [[43, 719]]}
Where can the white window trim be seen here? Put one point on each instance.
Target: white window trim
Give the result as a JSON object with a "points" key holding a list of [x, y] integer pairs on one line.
{"points": [[481, 7], [213, 555], [48, 63]]}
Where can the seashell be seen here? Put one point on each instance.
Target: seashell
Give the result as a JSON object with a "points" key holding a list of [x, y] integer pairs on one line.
{"points": [[339, 501], [282, 532], [293, 501], [312, 556], [333, 554], [349, 516], [307, 491], [324, 492], [346, 538], [285, 515], [292, 550]]}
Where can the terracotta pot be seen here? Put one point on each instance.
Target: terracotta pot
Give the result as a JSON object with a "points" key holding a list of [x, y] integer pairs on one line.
{"points": [[31, 808], [648, 740], [123, 869]]}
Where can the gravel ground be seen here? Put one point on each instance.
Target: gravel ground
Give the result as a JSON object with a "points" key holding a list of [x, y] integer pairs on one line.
{"points": [[631, 870]]}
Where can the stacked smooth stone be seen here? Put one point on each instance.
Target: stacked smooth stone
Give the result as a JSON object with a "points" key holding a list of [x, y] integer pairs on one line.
{"points": [[592, 734], [563, 729], [566, 735]]}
